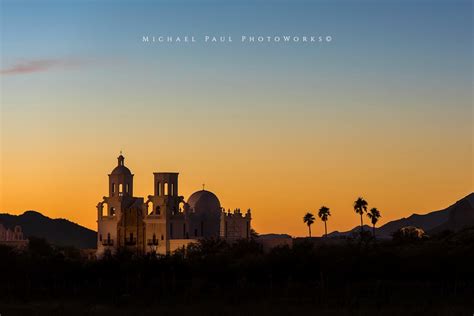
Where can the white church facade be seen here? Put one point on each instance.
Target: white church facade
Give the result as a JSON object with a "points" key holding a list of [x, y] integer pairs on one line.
{"points": [[164, 222]]}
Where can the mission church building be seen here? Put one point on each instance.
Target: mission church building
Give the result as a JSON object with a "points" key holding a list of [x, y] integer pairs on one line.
{"points": [[163, 222]]}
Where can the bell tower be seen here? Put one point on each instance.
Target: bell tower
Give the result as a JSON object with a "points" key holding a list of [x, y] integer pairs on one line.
{"points": [[120, 214], [165, 221], [165, 200], [120, 179]]}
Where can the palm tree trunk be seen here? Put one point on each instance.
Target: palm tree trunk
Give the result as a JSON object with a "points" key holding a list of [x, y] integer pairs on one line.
{"points": [[361, 225], [325, 229], [309, 229], [374, 232]]}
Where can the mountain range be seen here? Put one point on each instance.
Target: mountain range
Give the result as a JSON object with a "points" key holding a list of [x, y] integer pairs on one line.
{"points": [[60, 232], [454, 218]]}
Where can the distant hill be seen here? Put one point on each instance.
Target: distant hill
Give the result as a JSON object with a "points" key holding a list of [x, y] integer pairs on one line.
{"points": [[273, 236], [454, 217], [60, 232], [353, 231], [461, 214]]}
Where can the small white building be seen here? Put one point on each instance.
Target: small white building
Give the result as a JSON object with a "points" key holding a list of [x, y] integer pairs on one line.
{"points": [[12, 237]]}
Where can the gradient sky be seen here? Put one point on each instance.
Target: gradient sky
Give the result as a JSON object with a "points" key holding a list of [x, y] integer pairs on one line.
{"points": [[383, 111]]}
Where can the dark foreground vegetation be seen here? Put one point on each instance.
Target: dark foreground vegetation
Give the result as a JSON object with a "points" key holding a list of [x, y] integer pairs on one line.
{"points": [[433, 276]]}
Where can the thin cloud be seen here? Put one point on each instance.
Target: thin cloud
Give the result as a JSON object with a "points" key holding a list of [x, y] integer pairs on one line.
{"points": [[39, 65]]}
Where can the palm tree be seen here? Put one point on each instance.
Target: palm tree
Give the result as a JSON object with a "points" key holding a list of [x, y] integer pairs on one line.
{"points": [[309, 220], [360, 207], [324, 214], [374, 215]]}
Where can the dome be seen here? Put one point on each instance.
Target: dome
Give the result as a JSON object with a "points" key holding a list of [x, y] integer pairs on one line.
{"points": [[121, 169], [204, 201]]}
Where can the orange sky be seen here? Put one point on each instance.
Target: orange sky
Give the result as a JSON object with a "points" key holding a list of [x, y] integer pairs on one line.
{"points": [[278, 185], [383, 111], [275, 152]]}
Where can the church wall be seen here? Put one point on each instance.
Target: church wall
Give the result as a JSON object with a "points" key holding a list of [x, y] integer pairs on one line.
{"points": [[155, 227], [234, 226], [177, 227], [131, 229], [203, 226], [106, 226]]}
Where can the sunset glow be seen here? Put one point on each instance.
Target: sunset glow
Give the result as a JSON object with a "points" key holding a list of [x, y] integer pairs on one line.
{"points": [[279, 128]]}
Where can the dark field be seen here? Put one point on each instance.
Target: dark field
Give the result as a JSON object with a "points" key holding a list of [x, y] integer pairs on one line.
{"points": [[427, 277]]}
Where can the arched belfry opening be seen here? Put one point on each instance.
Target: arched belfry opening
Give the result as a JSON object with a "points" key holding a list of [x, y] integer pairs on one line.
{"points": [[166, 183]]}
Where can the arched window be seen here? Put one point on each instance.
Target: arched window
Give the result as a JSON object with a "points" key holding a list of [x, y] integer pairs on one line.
{"points": [[166, 188], [120, 188], [126, 188]]}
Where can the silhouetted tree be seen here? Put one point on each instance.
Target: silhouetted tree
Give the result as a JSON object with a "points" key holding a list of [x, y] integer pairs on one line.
{"points": [[360, 207], [216, 273], [207, 247], [324, 214], [374, 215], [309, 220], [40, 247]]}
